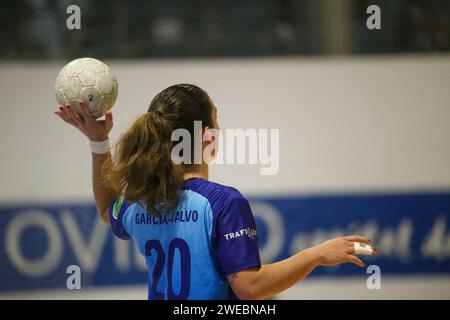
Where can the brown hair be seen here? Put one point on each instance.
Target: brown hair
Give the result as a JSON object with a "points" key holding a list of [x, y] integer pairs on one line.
{"points": [[142, 168]]}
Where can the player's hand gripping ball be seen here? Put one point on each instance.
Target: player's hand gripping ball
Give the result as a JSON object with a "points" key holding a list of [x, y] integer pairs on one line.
{"points": [[89, 80]]}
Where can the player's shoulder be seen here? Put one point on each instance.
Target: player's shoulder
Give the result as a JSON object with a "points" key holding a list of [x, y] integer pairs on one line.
{"points": [[216, 193], [120, 206], [206, 187]]}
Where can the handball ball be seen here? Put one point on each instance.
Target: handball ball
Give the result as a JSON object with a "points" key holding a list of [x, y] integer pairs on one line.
{"points": [[89, 80]]}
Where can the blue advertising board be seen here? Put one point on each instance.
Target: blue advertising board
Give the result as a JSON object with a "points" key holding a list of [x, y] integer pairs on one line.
{"points": [[40, 241]]}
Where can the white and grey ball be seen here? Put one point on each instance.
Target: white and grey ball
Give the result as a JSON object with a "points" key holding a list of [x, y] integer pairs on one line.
{"points": [[90, 80]]}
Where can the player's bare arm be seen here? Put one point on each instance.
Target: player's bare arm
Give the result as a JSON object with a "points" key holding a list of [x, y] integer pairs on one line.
{"points": [[94, 130], [274, 278]]}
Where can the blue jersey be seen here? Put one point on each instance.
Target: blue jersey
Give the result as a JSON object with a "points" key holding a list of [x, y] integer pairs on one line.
{"points": [[191, 249]]}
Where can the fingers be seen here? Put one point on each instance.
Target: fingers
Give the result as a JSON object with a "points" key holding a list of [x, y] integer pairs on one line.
{"points": [[85, 122], [62, 113], [65, 113], [351, 249], [109, 119], [355, 260], [356, 238], [85, 112], [74, 116]]}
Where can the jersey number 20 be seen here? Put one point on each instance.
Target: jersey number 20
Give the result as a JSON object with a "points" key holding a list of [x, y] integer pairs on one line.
{"points": [[185, 258]]}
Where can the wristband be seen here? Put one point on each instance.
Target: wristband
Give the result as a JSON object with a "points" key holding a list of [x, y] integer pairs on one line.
{"points": [[100, 147]]}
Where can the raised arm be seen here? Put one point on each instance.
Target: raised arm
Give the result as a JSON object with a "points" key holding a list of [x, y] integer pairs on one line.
{"points": [[104, 195], [97, 131], [274, 278]]}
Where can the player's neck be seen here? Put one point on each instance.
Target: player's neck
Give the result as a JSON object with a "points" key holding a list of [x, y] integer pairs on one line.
{"points": [[197, 171]]}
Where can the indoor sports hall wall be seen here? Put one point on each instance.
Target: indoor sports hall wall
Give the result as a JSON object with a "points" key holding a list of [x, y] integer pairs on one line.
{"points": [[364, 148]]}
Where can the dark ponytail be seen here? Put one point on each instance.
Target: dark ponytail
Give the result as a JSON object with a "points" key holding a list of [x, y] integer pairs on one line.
{"points": [[142, 168]]}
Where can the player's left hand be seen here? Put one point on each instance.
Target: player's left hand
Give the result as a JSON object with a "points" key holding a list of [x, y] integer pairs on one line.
{"points": [[95, 130]]}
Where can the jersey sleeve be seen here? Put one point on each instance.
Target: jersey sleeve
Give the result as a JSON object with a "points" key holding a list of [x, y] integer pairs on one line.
{"points": [[234, 237], [117, 212]]}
